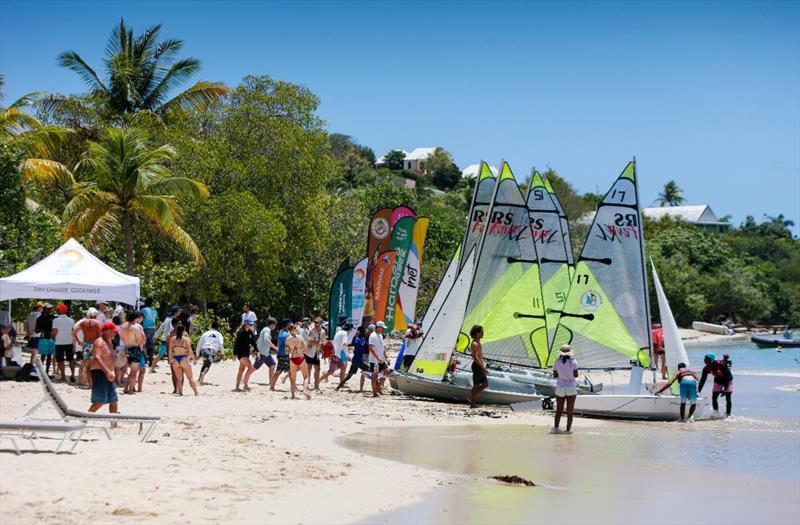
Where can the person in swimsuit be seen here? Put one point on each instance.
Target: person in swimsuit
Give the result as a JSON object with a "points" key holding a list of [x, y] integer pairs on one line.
{"points": [[85, 332], [181, 358], [480, 378], [687, 381], [723, 383], [657, 335], [245, 342], [296, 348], [104, 389], [134, 340], [315, 339], [565, 370]]}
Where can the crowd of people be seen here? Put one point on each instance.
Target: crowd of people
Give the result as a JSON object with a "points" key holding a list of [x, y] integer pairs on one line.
{"points": [[105, 350]]}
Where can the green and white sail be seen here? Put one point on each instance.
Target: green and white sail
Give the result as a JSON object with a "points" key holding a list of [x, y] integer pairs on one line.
{"points": [[442, 291], [481, 197], [606, 317], [506, 295], [564, 224], [439, 339], [551, 250]]}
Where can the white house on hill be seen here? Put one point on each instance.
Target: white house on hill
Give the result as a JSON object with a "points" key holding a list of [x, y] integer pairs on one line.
{"points": [[414, 161], [700, 215]]}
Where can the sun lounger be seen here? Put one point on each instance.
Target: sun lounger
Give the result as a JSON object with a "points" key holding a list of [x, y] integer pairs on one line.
{"points": [[68, 414], [30, 429]]}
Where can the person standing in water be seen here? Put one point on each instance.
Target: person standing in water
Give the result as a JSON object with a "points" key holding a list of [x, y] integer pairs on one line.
{"points": [[480, 376], [565, 370], [687, 381], [723, 383]]}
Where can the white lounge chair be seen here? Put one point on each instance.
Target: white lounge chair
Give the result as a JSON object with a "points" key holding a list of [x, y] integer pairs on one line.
{"points": [[30, 429], [68, 414]]}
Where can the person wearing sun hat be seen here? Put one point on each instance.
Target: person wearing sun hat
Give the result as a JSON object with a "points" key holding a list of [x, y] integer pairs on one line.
{"points": [[565, 370]]}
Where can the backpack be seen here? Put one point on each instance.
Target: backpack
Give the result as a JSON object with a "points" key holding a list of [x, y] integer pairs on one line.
{"points": [[24, 373], [327, 349]]}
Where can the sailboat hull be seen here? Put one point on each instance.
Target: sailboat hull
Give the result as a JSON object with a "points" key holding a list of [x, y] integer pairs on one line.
{"points": [[445, 391], [643, 407]]}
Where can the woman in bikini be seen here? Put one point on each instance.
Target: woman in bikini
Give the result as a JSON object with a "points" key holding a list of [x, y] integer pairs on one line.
{"points": [[296, 348], [181, 358]]}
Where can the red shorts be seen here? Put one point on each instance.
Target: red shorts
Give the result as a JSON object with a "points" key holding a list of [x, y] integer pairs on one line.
{"points": [[297, 361]]}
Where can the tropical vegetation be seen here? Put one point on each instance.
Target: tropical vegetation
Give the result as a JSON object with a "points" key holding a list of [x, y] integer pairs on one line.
{"points": [[219, 195]]}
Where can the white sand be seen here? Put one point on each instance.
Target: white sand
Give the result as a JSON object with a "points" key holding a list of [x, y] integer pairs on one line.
{"points": [[225, 457]]}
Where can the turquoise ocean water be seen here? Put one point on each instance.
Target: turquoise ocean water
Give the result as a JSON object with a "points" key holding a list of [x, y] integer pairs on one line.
{"points": [[745, 469]]}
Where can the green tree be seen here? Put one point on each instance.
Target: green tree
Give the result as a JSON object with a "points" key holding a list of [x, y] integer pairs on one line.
{"points": [[394, 159], [123, 179], [671, 195], [441, 169], [140, 74]]}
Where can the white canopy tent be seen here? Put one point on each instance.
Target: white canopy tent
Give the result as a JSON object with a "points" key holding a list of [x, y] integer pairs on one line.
{"points": [[71, 272]]}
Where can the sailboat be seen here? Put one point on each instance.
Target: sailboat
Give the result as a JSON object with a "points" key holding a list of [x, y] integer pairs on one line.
{"points": [[606, 315], [498, 287]]}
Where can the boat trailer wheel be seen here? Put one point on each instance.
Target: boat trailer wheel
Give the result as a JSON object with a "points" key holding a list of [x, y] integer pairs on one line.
{"points": [[547, 403]]}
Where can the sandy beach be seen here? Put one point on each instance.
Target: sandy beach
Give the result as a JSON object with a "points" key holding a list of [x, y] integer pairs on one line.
{"points": [[224, 457]]}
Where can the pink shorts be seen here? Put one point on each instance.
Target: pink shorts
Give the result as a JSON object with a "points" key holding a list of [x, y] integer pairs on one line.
{"points": [[728, 387], [336, 364]]}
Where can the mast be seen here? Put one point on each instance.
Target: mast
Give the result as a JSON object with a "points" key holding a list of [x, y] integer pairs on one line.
{"points": [[644, 275]]}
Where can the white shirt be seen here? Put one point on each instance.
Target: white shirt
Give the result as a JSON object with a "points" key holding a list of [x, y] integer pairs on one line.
{"points": [[211, 340], [101, 317], [64, 324], [249, 315], [264, 340], [376, 342], [30, 323], [339, 342]]}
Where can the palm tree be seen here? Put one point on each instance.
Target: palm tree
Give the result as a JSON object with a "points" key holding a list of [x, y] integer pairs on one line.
{"points": [[122, 178], [671, 195], [35, 141], [141, 72]]}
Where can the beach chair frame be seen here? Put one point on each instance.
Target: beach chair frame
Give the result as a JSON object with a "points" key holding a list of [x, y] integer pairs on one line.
{"points": [[68, 414], [30, 429]]}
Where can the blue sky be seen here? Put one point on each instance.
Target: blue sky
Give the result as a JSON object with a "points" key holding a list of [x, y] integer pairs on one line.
{"points": [[705, 93]]}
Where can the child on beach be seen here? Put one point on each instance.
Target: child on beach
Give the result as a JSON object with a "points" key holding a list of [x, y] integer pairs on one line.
{"points": [[480, 377], [687, 381]]}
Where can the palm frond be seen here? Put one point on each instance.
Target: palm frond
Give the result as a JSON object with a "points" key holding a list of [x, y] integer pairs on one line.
{"points": [[177, 73], [196, 98], [105, 229], [72, 60], [27, 100], [181, 187], [45, 171], [162, 213]]}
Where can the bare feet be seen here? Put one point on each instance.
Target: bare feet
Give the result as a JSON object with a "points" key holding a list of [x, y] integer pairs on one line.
{"points": [[246, 388]]}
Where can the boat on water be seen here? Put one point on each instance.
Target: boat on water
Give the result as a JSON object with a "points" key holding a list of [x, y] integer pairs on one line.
{"points": [[712, 328], [774, 341], [605, 317], [501, 391]]}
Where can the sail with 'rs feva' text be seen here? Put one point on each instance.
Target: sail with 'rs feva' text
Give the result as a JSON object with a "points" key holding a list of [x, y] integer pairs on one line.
{"points": [[506, 296], [551, 250], [606, 317], [481, 198]]}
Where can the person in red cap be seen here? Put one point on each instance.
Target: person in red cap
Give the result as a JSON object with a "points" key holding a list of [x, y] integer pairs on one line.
{"points": [[65, 351], [104, 388]]}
